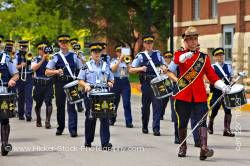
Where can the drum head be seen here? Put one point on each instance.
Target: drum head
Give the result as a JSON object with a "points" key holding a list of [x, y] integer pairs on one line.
{"points": [[73, 83], [101, 94], [158, 79], [236, 88]]}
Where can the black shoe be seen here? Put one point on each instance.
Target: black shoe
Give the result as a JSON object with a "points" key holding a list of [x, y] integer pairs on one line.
{"points": [[73, 134], [162, 118], [21, 118], [177, 140], [58, 132], [197, 144], [144, 131], [111, 123], [5, 149], [80, 109], [87, 145], [130, 125], [107, 147], [157, 133], [28, 119]]}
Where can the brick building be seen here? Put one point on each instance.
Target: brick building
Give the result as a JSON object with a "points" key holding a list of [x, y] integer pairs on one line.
{"points": [[221, 23]]}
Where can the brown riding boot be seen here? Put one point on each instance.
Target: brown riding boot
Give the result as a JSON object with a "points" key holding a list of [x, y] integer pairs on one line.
{"points": [[211, 126], [183, 148], [205, 152], [48, 116], [227, 122], [38, 117]]}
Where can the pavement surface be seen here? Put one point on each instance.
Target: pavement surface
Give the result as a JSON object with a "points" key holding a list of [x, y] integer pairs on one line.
{"points": [[34, 146]]}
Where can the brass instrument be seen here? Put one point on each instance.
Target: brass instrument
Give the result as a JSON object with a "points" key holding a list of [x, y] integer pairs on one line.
{"points": [[48, 57], [28, 56], [49, 51], [127, 59]]}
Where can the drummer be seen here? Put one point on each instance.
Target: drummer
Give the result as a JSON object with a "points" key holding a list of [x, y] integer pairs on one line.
{"points": [[43, 91], [9, 75], [225, 72], [95, 72], [142, 66], [63, 75], [121, 86]]}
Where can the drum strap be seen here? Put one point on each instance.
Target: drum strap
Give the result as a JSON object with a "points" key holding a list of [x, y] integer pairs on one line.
{"points": [[151, 63], [222, 71], [3, 58], [67, 65], [191, 74]]}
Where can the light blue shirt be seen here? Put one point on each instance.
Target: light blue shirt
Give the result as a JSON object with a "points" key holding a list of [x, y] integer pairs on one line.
{"points": [[139, 58], [52, 63], [172, 67], [96, 74], [10, 64], [122, 70]]}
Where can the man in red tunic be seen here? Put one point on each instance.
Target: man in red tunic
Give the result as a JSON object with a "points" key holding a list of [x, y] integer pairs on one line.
{"points": [[190, 93]]}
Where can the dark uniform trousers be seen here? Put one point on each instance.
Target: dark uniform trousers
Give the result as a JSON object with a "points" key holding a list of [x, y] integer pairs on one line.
{"points": [[187, 110], [43, 93], [60, 104], [25, 96], [90, 124], [122, 88], [148, 98]]}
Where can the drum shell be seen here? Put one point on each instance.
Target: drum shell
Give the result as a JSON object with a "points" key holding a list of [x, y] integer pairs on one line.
{"points": [[73, 92], [162, 87], [98, 101], [7, 105], [235, 100]]}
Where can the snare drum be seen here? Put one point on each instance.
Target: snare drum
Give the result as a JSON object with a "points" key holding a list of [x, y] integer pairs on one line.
{"points": [[7, 105], [73, 92], [102, 104], [236, 97], [162, 87]]}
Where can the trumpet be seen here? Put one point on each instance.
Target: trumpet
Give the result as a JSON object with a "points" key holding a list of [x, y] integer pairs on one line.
{"points": [[127, 59]]}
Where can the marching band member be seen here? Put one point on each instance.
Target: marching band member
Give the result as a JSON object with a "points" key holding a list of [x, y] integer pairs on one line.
{"points": [[225, 72], [95, 71], [76, 48], [64, 65], [172, 67], [190, 93], [141, 65], [43, 91], [25, 83], [121, 85], [9, 76], [105, 56]]}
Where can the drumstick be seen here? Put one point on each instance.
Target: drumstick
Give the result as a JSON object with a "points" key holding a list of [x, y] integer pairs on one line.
{"points": [[205, 115]]}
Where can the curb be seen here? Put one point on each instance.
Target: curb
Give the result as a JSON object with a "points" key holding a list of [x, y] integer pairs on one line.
{"points": [[136, 90]]}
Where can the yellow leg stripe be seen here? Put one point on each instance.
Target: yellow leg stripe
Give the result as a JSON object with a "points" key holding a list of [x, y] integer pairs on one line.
{"points": [[178, 118]]}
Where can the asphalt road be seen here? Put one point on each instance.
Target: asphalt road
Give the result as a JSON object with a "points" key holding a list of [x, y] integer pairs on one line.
{"points": [[40, 147]]}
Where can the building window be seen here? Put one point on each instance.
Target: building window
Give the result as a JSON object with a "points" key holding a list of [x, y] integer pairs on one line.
{"points": [[214, 8], [196, 9], [228, 33]]}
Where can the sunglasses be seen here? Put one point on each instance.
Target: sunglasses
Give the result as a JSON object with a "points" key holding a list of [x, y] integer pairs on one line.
{"points": [[63, 41]]}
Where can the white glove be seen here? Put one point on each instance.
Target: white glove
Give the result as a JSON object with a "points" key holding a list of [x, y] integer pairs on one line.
{"points": [[185, 56], [222, 86]]}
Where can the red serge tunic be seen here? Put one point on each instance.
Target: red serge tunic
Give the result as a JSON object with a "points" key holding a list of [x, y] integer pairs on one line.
{"points": [[195, 92]]}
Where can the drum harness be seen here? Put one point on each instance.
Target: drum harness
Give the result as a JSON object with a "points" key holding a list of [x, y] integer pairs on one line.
{"points": [[240, 75], [67, 65]]}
